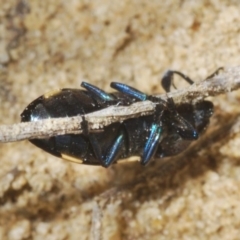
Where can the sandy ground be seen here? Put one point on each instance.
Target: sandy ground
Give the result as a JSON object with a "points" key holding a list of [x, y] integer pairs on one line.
{"points": [[51, 44]]}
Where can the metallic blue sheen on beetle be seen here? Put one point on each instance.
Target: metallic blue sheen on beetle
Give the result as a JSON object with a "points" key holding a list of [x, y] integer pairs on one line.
{"points": [[167, 132]]}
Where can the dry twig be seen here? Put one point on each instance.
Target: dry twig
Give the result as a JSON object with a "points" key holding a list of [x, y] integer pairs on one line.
{"points": [[226, 81]]}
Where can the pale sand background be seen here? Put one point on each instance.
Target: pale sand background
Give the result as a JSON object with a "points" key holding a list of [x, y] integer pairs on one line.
{"points": [[61, 43]]}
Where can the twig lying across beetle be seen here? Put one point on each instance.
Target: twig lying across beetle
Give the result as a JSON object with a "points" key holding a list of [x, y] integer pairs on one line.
{"points": [[228, 80], [72, 125]]}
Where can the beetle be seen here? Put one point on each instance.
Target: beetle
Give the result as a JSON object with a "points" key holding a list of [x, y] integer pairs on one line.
{"points": [[167, 132]]}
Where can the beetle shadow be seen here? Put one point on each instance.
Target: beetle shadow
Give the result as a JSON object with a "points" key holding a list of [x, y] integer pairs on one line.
{"points": [[162, 179], [171, 174]]}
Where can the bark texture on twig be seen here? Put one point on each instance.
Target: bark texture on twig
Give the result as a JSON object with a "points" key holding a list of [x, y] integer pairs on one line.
{"points": [[72, 125], [228, 80]]}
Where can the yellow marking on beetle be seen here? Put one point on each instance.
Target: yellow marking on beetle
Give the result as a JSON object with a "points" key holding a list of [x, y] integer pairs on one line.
{"points": [[71, 159], [52, 93], [131, 159]]}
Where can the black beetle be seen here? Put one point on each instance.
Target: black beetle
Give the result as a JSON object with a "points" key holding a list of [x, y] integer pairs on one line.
{"points": [[167, 132]]}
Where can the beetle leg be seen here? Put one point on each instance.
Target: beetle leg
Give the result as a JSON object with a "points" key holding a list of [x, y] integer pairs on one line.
{"points": [[132, 92], [215, 73], [111, 154], [97, 93], [152, 143], [167, 79], [184, 128]]}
